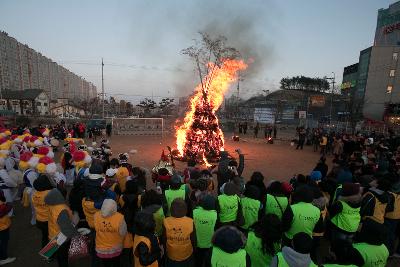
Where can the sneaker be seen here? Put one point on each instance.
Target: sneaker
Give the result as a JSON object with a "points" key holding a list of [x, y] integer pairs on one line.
{"points": [[8, 260]]}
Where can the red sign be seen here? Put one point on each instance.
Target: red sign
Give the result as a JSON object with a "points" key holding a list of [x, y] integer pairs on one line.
{"points": [[317, 100], [391, 28]]}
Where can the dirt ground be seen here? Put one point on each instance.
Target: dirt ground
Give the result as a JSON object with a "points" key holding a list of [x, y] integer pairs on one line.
{"points": [[277, 161]]}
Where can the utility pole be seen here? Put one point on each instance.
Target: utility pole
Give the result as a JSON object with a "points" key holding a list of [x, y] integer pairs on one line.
{"points": [[331, 104], [102, 84]]}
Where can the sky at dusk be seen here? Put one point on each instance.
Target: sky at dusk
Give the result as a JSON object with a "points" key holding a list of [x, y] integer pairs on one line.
{"points": [[141, 41]]}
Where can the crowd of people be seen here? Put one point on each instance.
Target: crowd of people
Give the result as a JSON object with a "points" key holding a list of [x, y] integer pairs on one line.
{"points": [[346, 215], [270, 130]]}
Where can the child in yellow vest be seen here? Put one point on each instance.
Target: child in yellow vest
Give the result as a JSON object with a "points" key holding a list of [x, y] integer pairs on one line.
{"points": [[122, 176], [375, 201], [146, 248], [5, 223], [60, 221], [179, 235], [392, 216], [42, 187], [110, 229]]}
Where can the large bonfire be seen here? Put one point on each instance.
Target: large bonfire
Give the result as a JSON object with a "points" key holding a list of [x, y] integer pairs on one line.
{"points": [[200, 136]]}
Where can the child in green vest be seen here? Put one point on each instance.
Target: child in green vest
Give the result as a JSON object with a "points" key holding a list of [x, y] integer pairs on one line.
{"points": [[176, 190], [152, 202], [298, 256], [251, 206], [228, 206], [228, 248], [205, 218], [345, 216], [264, 240], [302, 216], [369, 251], [275, 201]]}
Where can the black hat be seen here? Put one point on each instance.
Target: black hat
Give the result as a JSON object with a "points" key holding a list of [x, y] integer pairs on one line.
{"points": [[208, 202], [302, 243], [96, 170], [176, 179]]}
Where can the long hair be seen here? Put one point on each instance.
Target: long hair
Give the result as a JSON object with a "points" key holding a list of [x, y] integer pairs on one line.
{"points": [[269, 229]]}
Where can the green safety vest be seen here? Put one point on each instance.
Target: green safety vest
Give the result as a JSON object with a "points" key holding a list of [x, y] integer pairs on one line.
{"points": [[204, 223], [282, 262], [171, 195], [255, 250], [348, 219], [374, 256], [305, 217], [250, 209], [159, 219], [228, 206], [272, 206], [221, 258]]}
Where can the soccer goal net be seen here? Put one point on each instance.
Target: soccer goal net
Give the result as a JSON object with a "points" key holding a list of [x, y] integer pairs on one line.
{"points": [[138, 126]]}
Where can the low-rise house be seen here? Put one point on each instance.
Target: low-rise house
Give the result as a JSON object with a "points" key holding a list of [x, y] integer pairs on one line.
{"points": [[63, 108], [25, 102]]}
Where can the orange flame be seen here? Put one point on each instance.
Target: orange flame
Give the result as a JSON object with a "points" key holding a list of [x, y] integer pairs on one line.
{"points": [[216, 83]]}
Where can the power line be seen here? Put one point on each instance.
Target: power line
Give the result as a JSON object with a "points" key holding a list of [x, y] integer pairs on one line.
{"points": [[136, 67], [138, 95]]}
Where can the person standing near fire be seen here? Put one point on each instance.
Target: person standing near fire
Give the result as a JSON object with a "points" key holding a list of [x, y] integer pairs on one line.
{"points": [[256, 129], [302, 138], [244, 127]]}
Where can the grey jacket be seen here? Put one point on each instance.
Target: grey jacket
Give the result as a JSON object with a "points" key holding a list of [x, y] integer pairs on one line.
{"points": [[293, 258]]}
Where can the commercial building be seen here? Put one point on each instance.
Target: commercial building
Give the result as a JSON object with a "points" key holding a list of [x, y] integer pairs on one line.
{"points": [[350, 78], [383, 83], [294, 107], [373, 84], [21, 68]]}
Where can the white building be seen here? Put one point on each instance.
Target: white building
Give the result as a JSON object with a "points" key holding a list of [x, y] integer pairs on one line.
{"points": [[25, 102]]}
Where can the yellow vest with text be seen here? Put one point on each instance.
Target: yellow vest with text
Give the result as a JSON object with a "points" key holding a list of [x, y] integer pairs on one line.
{"points": [[107, 231], [41, 208], [54, 212], [178, 231]]}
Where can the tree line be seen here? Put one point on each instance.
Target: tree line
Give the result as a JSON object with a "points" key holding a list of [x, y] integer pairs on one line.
{"points": [[305, 83]]}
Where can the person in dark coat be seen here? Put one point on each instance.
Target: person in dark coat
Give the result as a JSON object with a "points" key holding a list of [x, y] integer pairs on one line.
{"points": [[322, 167]]}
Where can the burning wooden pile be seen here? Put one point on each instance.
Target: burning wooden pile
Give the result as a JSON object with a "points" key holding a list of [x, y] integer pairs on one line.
{"points": [[200, 136]]}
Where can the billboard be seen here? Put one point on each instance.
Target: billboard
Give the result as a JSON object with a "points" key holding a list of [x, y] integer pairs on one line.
{"points": [[317, 100], [264, 115], [288, 114]]}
